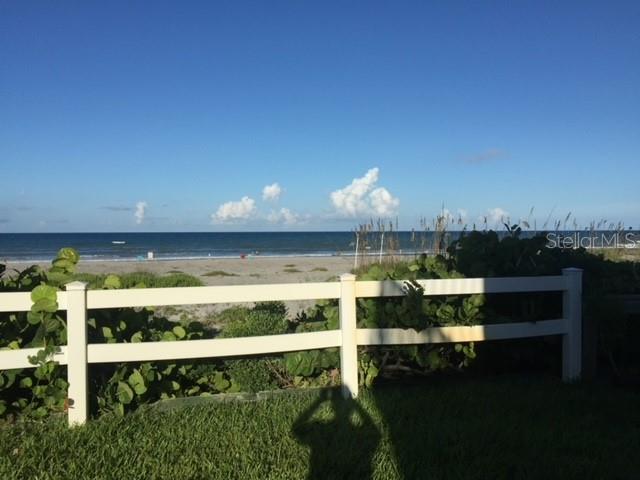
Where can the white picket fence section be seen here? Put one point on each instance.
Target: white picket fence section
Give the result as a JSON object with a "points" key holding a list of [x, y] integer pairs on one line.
{"points": [[78, 354]]}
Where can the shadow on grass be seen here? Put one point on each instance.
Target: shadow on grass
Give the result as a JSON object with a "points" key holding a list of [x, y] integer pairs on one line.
{"points": [[503, 427], [342, 437]]}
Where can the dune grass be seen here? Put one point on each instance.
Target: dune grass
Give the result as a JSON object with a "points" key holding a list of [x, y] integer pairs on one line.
{"points": [[291, 270], [319, 269], [618, 254], [219, 273], [150, 280], [504, 427]]}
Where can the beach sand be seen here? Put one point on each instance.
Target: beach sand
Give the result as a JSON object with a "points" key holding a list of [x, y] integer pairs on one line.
{"points": [[247, 271], [250, 270]]}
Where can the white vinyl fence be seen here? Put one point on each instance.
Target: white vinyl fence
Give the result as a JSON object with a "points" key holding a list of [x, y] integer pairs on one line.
{"points": [[78, 354]]}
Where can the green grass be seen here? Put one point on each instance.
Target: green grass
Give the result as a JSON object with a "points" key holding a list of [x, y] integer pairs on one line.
{"points": [[319, 269], [218, 273], [150, 280], [505, 427], [290, 265], [291, 270]]}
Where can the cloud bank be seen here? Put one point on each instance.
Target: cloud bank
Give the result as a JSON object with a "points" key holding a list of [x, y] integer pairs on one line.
{"points": [[362, 197], [284, 216], [232, 211]]}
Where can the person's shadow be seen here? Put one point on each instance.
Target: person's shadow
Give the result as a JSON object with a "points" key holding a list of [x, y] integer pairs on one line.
{"points": [[342, 438]]}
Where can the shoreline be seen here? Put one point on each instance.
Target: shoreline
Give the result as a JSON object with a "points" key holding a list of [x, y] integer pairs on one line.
{"points": [[142, 259]]}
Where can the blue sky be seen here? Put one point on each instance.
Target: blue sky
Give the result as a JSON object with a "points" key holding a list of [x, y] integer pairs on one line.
{"points": [[154, 116]]}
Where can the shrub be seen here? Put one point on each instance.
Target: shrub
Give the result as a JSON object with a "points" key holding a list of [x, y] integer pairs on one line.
{"points": [[253, 375], [263, 319], [120, 387], [218, 273], [140, 280], [485, 254]]}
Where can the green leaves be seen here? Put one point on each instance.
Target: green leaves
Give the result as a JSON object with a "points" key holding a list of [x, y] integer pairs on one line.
{"points": [[168, 337], [300, 363], [445, 314], [368, 371], [107, 333], [63, 266], [44, 292], [179, 332], [136, 380], [42, 310], [136, 337], [307, 363], [69, 254], [332, 315], [124, 392], [112, 282]]}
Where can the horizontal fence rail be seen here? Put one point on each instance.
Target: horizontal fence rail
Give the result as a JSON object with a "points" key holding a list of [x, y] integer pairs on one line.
{"points": [[218, 347], [78, 354], [476, 333], [21, 301], [463, 286], [209, 295]]}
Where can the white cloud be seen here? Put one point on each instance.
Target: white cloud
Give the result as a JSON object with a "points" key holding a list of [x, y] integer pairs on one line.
{"points": [[271, 192], [361, 197], [284, 215], [496, 216], [231, 211], [141, 208], [383, 202]]}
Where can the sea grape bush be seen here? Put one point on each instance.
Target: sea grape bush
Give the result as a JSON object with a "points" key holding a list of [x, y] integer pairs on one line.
{"points": [[36, 392], [118, 388], [413, 310], [485, 254]]}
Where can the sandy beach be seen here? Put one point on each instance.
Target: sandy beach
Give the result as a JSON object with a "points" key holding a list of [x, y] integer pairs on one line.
{"points": [[237, 271], [226, 271]]}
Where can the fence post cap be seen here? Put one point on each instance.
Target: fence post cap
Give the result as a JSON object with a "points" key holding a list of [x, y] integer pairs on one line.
{"points": [[73, 286], [571, 271], [347, 277]]}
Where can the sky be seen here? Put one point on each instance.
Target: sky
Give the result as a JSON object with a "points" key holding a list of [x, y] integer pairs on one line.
{"points": [[252, 116]]}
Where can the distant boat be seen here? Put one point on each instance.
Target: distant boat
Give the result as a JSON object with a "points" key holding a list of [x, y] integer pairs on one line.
{"points": [[118, 242]]}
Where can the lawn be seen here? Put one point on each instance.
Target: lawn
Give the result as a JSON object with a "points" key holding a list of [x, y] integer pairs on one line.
{"points": [[503, 427]]}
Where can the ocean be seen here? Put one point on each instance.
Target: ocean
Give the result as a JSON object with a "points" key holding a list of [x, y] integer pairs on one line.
{"points": [[131, 246], [167, 246]]}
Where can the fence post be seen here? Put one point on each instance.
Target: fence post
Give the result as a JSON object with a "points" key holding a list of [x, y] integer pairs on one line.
{"points": [[77, 352], [572, 313], [349, 347]]}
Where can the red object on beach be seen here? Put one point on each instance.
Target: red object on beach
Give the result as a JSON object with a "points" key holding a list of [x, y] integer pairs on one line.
{"points": [[243, 255]]}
